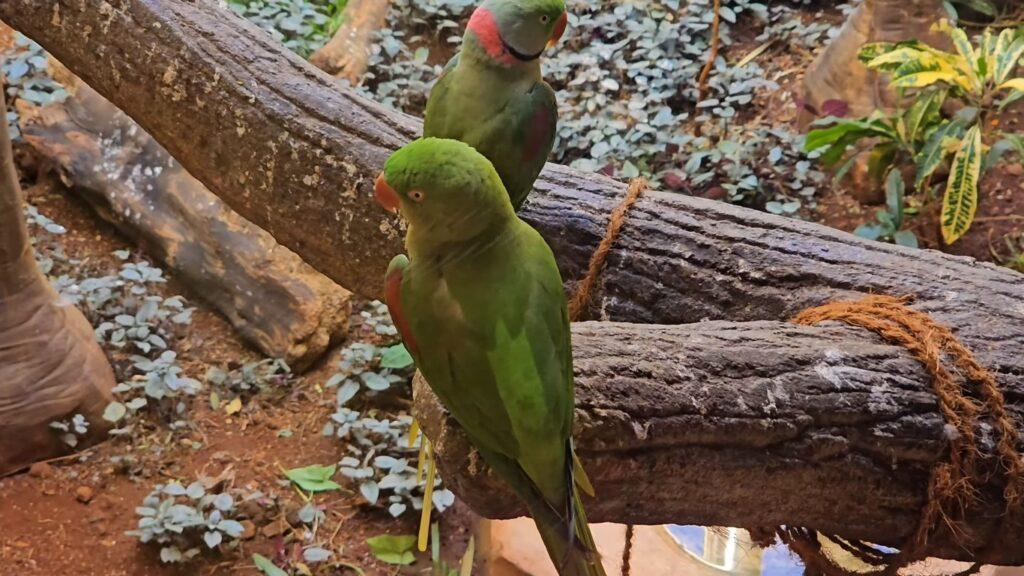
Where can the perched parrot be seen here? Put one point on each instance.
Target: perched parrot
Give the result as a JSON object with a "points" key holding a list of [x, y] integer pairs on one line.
{"points": [[491, 94], [479, 305]]}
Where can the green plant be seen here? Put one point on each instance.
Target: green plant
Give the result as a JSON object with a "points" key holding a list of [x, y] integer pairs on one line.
{"points": [[313, 478], [395, 550], [301, 25], [263, 376], [978, 77], [1014, 256], [889, 221], [179, 518], [71, 429]]}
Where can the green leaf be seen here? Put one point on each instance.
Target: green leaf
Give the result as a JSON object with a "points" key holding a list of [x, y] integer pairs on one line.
{"points": [[396, 357], [894, 190], [1007, 58], [935, 151], [963, 46], [393, 549], [880, 159], [266, 566], [905, 238], [961, 199], [925, 111], [313, 478], [871, 231], [114, 412]]}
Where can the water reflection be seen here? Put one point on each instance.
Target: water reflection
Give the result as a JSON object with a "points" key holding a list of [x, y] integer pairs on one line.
{"points": [[731, 550]]}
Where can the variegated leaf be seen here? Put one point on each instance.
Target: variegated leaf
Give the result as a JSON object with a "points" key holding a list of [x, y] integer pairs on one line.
{"points": [[935, 150], [963, 47], [961, 199]]}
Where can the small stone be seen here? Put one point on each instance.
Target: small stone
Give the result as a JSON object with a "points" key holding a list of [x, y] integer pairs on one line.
{"points": [[84, 494], [40, 470], [275, 528], [248, 530]]}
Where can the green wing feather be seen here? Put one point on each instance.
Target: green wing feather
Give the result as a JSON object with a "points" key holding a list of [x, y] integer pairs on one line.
{"points": [[510, 121]]}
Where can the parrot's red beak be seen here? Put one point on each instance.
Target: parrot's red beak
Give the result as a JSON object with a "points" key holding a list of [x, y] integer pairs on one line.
{"points": [[385, 194], [559, 30]]}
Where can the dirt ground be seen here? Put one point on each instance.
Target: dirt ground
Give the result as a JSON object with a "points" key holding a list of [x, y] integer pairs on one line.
{"points": [[69, 516]]}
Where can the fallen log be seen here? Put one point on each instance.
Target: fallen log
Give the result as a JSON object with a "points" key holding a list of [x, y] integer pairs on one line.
{"points": [[281, 305], [347, 54], [278, 141], [51, 366]]}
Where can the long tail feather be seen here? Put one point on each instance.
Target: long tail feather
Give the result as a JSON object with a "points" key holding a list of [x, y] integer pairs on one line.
{"points": [[566, 533], [575, 557]]}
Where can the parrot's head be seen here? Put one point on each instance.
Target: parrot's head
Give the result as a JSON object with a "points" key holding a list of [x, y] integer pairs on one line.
{"points": [[445, 189], [516, 31]]}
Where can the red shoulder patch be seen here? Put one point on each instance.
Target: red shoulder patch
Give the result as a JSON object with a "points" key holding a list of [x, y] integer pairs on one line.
{"points": [[393, 298]]}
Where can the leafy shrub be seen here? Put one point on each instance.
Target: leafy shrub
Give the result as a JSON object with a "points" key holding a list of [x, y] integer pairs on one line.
{"points": [[262, 376], [978, 77], [70, 430], [181, 519], [380, 458], [136, 326], [889, 221], [27, 78], [626, 78], [301, 25]]}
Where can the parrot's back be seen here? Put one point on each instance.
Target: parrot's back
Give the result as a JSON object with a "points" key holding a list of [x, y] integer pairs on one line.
{"points": [[508, 117]]}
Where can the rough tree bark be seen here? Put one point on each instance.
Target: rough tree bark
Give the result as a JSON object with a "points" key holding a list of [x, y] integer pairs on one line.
{"points": [[348, 52], [274, 299], [283, 145], [51, 366]]}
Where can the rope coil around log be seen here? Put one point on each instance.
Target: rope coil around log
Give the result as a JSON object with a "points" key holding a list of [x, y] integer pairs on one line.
{"points": [[952, 484]]}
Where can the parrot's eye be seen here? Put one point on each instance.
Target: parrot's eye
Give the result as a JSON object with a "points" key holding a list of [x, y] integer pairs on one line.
{"points": [[545, 19], [416, 195]]}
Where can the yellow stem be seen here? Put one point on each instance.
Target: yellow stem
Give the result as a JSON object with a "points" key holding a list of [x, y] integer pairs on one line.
{"points": [[428, 502]]}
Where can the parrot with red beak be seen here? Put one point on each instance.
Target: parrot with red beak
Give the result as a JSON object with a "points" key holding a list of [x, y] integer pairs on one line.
{"points": [[492, 96], [479, 305]]}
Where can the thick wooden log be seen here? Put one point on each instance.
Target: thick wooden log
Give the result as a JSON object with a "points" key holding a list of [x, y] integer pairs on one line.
{"points": [[281, 305], [765, 423], [283, 145], [51, 366]]}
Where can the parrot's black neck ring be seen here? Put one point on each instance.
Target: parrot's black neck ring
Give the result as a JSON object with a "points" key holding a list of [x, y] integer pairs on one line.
{"points": [[519, 55]]}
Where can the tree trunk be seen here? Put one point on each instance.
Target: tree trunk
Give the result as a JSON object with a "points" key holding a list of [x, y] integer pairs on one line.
{"points": [[837, 74], [348, 52], [51, 367], [295, 154], [275, 300]]}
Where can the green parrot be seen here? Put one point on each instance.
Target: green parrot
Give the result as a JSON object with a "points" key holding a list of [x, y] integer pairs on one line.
{"points": [[491, 94], [479, 305]]}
